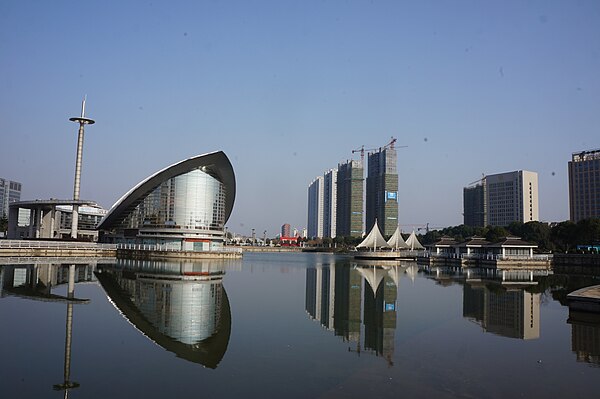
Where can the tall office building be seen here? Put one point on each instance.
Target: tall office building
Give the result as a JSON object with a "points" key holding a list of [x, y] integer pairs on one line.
{"points": [[10, 191], [286, 230], [500, 199], [512, 197], [382, 191], [584, 185], [474, 206], [315, 208], [329, 203], [350, 199]]}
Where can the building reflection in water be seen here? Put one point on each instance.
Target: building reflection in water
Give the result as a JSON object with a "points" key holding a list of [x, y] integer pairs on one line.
{"points": [[35, 282], [497, 300], [181, 306], [585, 336], [337, 295], [509, 312]]}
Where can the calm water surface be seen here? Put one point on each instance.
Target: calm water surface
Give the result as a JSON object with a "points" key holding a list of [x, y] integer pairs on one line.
{"points": [[290, 325]]}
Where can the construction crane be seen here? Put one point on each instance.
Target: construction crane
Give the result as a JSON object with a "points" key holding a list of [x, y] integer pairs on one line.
{"points": [[362, 148], [477, 181], [362, 152]]}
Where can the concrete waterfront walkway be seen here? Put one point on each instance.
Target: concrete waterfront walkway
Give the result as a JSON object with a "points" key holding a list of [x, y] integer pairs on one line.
{"points": [[39, 248], [586, 299]]}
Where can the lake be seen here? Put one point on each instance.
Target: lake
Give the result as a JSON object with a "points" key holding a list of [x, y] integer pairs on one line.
{"points": [[290, 325]]}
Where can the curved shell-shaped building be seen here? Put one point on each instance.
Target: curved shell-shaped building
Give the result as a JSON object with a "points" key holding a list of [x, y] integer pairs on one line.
{"points": [[182, 207]]}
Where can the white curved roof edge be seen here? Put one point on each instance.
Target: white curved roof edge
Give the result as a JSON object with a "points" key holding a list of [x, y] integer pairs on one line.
{"points": [[230, 184]]}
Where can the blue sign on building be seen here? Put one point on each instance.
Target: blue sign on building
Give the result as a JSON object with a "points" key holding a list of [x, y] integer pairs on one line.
{"points": [[392, 195]]}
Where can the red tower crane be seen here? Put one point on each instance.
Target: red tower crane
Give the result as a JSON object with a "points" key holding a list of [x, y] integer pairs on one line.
{"points": [[362, 149]]}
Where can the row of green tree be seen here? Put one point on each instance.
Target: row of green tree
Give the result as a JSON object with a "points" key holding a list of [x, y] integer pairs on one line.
{"points": [[559, 237]]}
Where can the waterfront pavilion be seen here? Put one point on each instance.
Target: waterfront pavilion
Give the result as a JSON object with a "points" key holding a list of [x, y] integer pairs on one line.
{"points": [[183, 207], [512, 246], [52, 219]]}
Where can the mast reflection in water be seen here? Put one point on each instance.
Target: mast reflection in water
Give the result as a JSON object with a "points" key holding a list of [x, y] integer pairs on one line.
{"points": [[36, 282], [181, 306]]}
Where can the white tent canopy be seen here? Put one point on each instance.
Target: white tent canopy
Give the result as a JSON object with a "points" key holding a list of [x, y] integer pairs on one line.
{"points": [[373, 275], [374, 239], [396, 241], [413, 243]]}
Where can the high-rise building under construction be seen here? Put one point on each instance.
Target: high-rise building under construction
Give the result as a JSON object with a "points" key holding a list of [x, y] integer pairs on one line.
{"points": [[382, 190], [350, 199]]}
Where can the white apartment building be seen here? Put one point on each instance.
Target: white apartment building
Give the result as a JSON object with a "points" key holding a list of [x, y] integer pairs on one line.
{"points": [[315, 208], [512, 197], [329, 203]]}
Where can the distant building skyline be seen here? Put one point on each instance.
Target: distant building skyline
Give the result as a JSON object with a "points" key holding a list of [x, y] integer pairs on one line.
{"points": [[584, 185]]}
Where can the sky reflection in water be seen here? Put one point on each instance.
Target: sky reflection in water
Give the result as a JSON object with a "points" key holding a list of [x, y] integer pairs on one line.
{"points": [[300, 325]]}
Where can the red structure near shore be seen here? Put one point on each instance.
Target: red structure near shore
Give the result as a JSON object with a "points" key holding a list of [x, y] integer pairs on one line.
{"points": [[290, 241]]}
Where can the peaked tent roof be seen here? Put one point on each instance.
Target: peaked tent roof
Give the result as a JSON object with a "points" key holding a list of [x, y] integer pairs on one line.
{"points": [[374, 239], [374, 275], [396, 241], [413, 243]]}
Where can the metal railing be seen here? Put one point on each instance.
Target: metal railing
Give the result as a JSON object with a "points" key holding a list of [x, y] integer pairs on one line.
{"points": [[448, 255], [30, 244], [166, 248], [543, 257]]}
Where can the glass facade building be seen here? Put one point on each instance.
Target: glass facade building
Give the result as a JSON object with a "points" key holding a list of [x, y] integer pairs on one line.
{"points": [[382, 191], [183, 207], [349, 206], [584, 185], [195, 200], [474, 205]]}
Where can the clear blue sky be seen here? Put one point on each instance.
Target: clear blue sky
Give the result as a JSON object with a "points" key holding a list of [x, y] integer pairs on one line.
{"points": [[288, 88]]}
